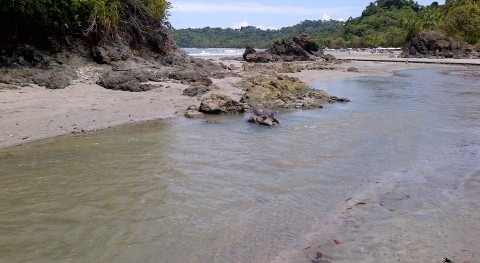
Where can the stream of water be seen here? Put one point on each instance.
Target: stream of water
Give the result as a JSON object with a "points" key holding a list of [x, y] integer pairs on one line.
{"points": [[224, 190]]}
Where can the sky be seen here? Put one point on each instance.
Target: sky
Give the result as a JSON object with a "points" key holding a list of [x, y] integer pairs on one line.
{"points": [[265, 14]]}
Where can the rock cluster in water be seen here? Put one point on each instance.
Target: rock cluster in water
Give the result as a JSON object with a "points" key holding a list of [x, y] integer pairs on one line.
{"points": [[284, 92]]}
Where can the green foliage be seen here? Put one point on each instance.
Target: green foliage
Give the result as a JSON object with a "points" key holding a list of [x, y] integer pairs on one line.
{"points": [[462, 26], [31, 20], [383, 23], [239, 38]]}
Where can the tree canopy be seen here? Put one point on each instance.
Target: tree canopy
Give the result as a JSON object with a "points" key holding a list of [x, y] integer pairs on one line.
{"points": [[382, 23], [252, 36]]}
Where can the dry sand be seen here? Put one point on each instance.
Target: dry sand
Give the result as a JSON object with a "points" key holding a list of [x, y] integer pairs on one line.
{"points": [[32, 113]]}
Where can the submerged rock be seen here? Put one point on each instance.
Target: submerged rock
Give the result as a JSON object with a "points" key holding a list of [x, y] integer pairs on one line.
{"points": [[264, 120]]}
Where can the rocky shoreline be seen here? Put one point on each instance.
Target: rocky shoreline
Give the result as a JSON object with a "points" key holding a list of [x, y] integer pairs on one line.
{"points": [[72, 94]]}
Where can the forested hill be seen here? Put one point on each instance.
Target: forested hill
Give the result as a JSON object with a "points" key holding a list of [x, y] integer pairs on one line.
{"points": [[239, 38], [382, 23]]}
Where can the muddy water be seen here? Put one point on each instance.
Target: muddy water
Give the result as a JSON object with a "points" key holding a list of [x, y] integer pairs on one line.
{"points": [[227, 191]]}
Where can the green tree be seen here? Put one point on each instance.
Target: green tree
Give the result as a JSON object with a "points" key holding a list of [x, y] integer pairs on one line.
{"points": [[460, 25]]}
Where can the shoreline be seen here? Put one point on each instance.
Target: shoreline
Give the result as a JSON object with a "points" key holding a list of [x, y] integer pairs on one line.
{"points": [[32, 113]]}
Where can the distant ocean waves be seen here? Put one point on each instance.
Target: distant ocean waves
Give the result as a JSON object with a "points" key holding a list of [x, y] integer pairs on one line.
{"points": [[199, 52]]}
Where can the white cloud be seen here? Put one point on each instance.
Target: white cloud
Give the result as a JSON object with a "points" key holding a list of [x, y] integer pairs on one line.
{"points": [[246, 23], [240, 25], [264, 27], [326, 17], [242, 7]]}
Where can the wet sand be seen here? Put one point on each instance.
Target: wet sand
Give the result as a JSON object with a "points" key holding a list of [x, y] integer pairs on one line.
{"points": [[32, 113]]}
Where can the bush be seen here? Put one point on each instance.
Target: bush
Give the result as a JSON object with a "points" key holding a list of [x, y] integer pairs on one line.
{"points": [[40, 21]]}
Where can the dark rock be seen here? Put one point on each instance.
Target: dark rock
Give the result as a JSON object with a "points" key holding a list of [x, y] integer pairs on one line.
{"points": [[306, 42], [196, 91], [302, 48], [352, 69], [329, 58], [191, 76], [264, 120], [436, 45], [29, 55], [261, 57], [334, 99], [221, 104], [126, 81], [51, 80], [109, 54], [287, 50], [249, 51]]}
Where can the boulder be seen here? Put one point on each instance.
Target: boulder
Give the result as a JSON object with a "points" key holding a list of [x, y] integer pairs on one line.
{"points": [[306, 42], [196, 91], [301, 48], [283, 91], [193, 113], [248, 51], [329, 58], [221, 104], [111, 53], [287, 50], [433, 44], [126, 81]]}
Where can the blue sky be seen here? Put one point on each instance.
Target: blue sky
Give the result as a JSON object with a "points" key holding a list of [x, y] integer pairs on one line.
{"points": [[266, 14]]}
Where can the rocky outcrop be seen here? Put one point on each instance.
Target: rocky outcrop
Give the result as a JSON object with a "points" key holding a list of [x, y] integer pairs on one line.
{"points": [[301, 48], [284, 92], [306, 42], [251, 55], [221, 104], [437, 45], [134, 81]]}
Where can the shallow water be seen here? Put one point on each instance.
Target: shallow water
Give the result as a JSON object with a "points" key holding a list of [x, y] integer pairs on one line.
{"points": [[228, 191]]}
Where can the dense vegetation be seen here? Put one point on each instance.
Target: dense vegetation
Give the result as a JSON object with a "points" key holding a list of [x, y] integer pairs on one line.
{"points": [[42, 22], [239, 38], [382, 23]]}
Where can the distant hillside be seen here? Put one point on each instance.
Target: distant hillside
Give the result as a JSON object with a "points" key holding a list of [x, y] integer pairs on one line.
{"points": [[383, 23], [239, 38]]}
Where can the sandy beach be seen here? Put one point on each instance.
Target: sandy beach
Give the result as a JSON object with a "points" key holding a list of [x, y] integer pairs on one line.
{"points": [[31, 113]]}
